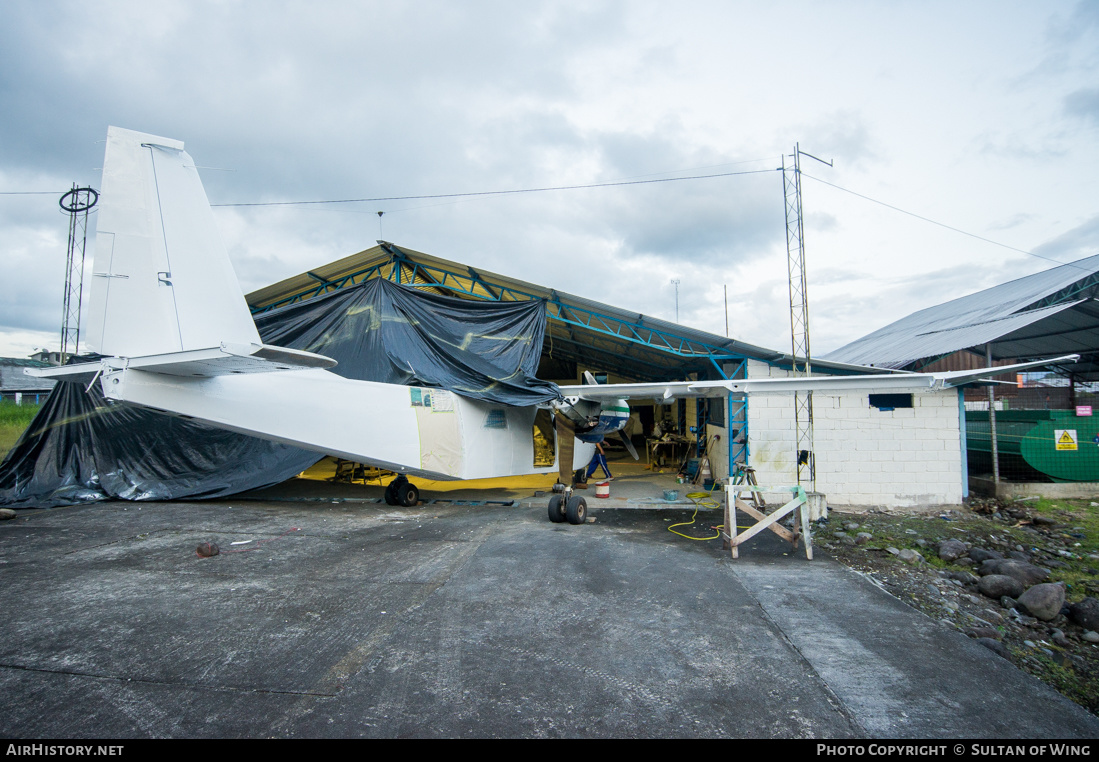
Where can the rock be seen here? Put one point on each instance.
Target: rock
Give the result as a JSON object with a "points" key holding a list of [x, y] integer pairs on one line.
{"points": [[850, 526], [980, 554], [1027, 574], [892, 550], [1019, 555], [6, 514], [952, 550], [1060, 640], [966, 578], [1085, 613], [1043, 601], [1008, 603], [1043, 521], [921, 542], [863, 538], [910, 556], [996, 586], [1091, 636], [1023, 618], [983, 632], [207, 549], [995, 647]]}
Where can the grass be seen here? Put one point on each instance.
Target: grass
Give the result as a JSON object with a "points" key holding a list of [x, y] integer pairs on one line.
{"points": [[1076, 534], [14, 420]]}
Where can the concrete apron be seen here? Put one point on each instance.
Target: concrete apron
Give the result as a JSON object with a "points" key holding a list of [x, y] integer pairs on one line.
{"points": [[358, 619]]}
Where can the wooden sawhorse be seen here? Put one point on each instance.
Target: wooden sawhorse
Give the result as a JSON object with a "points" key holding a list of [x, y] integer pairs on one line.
{"points": [[799, 503]]}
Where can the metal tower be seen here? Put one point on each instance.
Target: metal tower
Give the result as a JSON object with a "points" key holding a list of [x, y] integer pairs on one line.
{"points": [[799, 315], [78, 202]]}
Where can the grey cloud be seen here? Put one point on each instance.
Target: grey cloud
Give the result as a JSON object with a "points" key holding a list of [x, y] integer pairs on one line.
{"points": [[1077, 243], [842, 136], [1017, 146], [1084, 104]]}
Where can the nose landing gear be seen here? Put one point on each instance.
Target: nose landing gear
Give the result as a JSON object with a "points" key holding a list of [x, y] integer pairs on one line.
{"points": [[565, 506]]}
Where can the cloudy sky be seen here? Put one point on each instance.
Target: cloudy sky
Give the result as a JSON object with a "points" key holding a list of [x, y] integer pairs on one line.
{"points": [[981, 116]]}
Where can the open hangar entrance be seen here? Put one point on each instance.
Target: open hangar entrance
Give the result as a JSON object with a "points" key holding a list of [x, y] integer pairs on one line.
{"points": [[581, 335]]}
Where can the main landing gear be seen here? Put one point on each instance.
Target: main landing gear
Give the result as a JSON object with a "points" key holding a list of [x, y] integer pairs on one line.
{"points": [[402, 492], [565, 506]]}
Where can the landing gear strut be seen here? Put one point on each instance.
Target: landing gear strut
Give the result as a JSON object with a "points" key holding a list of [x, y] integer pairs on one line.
{"points": [[402, 492], [565, 506]]}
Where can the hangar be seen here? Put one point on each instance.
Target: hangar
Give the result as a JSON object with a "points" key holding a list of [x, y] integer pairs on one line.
{"points": [[870, 449]]}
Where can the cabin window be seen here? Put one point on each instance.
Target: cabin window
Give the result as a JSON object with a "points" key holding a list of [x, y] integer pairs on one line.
{"points": [[496, 419]]}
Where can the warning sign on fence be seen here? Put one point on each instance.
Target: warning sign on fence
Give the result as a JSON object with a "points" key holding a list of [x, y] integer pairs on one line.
{"points": [[1065, 438]]}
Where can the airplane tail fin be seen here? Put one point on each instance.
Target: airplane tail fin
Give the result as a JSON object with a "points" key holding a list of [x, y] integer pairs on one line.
{"points": [[161, 280]]}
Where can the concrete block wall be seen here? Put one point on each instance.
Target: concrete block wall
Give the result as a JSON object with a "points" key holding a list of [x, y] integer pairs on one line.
{"points": [[865, 457]]}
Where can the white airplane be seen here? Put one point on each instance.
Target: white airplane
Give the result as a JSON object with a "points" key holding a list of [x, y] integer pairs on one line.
{"points": [[176, 335]]}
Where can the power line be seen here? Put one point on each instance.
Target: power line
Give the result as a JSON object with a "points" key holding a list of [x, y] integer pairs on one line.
{"points": [[502, 192], [944, 225]]}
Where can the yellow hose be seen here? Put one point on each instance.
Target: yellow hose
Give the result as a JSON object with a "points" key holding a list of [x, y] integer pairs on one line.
{"points": [[701, 500]]}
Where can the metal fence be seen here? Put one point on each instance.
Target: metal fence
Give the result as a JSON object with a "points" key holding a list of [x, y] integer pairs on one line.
{"points": [[1041, 431]]}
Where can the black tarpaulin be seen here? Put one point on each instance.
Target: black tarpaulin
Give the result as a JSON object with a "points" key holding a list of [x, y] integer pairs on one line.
{"points": [[82, 448]]}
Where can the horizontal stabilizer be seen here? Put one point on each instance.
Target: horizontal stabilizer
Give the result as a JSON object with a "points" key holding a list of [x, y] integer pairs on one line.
{"points": [[201, 363]]}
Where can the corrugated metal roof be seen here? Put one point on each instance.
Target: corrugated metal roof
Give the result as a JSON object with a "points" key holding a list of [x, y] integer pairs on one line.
{"points": [[1047, 306], [646, 347], [13, 379]]}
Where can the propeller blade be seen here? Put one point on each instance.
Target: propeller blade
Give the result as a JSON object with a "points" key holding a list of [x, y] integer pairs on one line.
{"points": [[629, 445]]}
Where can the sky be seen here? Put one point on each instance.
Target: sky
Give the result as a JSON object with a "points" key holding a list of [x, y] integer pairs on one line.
{"points": [[981, 118]]}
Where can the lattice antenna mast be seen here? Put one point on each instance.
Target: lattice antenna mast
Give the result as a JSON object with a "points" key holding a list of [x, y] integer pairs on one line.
{"points": [[799, 314], [78, 202]]}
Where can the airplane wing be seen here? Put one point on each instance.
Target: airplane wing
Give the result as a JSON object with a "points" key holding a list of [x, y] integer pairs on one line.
{"points": [[898, 382]]}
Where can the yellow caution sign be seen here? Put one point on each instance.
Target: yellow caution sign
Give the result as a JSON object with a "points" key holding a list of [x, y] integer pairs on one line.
{"points": [[1065, 438]]}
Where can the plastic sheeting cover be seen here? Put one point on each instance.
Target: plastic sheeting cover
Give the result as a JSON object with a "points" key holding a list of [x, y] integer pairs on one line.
{"points": [[82, 448]]}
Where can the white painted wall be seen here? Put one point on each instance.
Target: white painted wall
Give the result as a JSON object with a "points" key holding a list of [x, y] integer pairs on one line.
{"points": [[865, 457]]}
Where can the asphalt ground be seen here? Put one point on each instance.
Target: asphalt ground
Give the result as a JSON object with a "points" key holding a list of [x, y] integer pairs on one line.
{"points": [[356, 619]]}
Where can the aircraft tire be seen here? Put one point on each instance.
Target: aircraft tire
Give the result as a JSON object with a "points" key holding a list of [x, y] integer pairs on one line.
{"points": [[577, 510], [557, 509], [391, 495], [408, 495]]}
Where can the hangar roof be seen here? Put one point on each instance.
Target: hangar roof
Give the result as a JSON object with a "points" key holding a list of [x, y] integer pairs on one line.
{"points": [[596, 335], [1050, 313]]}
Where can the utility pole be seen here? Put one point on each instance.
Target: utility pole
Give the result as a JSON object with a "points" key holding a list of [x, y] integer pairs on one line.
{"points": [[675, 283], [801, 364], [726, 287]]}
